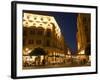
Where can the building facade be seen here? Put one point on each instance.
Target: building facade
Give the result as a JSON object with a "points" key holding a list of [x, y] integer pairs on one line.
{"points": [[42, 31], [84, 34]]}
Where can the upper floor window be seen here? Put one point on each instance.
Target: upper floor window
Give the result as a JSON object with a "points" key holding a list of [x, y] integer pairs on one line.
{"points": [[31, 41], [40, 31], [32, 32], [48, 34]]}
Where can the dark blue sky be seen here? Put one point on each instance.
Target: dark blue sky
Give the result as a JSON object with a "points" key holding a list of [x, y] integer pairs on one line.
{"points": [[68, 26]]}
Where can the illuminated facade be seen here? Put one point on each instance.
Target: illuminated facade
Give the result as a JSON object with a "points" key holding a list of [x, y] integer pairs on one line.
{"points": [[43, 31], [84, 33]]}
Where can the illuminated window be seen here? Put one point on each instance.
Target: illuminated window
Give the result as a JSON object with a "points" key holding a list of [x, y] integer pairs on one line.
{"points": [[82, 52]]}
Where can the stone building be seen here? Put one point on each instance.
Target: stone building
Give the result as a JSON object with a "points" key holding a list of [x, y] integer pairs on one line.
{"points": [[42, 31], [84, 34]]}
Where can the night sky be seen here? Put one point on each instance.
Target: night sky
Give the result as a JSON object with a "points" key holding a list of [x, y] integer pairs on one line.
{"points": [[68, 26]]}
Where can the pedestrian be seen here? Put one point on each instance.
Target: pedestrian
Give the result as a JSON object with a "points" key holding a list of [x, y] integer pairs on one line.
{"points": [[43, 61]]}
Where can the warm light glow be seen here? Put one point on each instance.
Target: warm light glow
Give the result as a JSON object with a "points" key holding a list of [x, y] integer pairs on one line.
{"points": [[26, 49], [69, 52], [42, 58], [82, 52], [44, 21], [78, 45], [89, 58]]}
